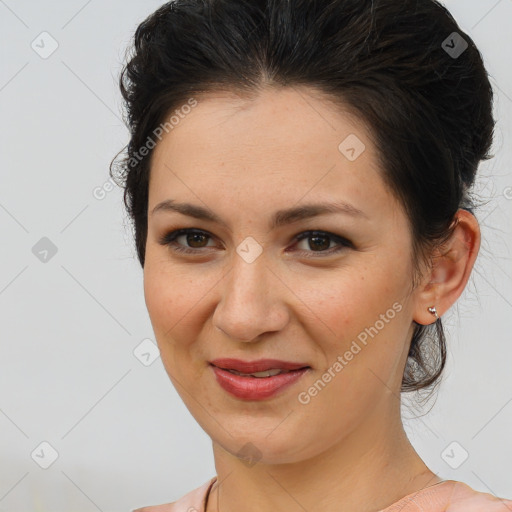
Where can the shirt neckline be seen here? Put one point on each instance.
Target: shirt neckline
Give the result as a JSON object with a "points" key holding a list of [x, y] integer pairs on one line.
{"points": [[394, 504]]}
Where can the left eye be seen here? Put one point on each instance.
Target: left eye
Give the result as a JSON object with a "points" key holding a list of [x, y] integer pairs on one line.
{"points": [[319, 241], [322, 239]]}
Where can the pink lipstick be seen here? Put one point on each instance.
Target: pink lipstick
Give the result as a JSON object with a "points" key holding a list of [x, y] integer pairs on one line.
{"points": [[257, 380]]}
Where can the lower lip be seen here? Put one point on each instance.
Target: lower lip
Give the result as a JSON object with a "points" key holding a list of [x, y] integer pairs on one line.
{"points": [[255, 388]]}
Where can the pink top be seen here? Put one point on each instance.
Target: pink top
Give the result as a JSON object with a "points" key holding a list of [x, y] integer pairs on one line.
{"points": [[446, 496]]}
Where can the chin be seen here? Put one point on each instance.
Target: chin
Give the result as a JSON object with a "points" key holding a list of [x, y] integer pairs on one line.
{"points": [[265, 446]]}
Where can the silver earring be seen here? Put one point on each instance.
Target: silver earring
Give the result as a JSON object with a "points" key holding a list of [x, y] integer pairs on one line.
{"points": [[433, 310]]}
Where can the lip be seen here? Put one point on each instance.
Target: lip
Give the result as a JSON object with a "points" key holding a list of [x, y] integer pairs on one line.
{"points": [[256, 388], [259, 365]]}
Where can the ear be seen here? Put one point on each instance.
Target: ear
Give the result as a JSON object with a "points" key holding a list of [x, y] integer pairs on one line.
{"points": [[451, 267]]}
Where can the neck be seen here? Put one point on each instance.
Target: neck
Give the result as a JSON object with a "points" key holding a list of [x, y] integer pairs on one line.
{"points": [[367, 470]]}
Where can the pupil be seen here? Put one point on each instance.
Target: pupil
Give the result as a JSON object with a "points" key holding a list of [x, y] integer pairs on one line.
{"points": [[324, 246], [191, 235]]}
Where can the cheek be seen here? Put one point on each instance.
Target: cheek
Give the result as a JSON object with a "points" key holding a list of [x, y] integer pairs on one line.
{"points": [[360, 315], [347, 301], [173, 300], [361, 339]]}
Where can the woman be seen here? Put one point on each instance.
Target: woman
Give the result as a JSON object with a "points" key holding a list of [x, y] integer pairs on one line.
{"points": [[298, 176]]}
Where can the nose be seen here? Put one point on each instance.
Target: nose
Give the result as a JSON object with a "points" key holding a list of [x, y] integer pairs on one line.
{"points": [[253, 301]]}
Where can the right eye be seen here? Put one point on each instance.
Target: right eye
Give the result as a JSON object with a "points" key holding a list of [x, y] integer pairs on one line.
{"points": [[192, 236]]}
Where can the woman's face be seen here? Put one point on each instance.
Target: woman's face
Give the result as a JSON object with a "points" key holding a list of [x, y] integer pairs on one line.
{"points": [[338, 302]]}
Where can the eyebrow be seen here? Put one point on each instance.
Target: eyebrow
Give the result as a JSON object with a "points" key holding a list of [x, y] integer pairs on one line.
{"points": [[280, 218]]}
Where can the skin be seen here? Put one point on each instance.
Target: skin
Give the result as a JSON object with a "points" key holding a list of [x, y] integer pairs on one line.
{"points": [[243, 160]]}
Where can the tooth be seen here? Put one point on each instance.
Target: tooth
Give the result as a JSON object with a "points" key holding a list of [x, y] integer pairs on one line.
{"points": [[266, 373]]}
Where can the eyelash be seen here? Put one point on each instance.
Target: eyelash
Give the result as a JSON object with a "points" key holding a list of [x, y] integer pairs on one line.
{"points": [[169, 240]]}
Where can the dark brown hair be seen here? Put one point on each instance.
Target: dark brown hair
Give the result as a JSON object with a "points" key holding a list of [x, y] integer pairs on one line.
{"points": [[403, 66]]}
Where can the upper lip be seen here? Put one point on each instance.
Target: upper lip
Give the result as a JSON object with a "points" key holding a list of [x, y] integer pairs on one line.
{"points": [[259, 365]]}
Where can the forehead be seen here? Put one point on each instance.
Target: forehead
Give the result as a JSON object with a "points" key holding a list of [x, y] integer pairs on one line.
{"points": [[287, 116], [277, 147]]}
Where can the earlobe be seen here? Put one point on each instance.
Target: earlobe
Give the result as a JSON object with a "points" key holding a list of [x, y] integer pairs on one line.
{"points": [[451, 267]]}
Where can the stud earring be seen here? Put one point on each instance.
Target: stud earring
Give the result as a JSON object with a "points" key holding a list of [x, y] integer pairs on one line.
{"points": [[433, 310]]}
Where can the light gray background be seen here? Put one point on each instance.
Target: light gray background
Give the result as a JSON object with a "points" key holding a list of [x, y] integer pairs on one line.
{"points": [[70, 325]]}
